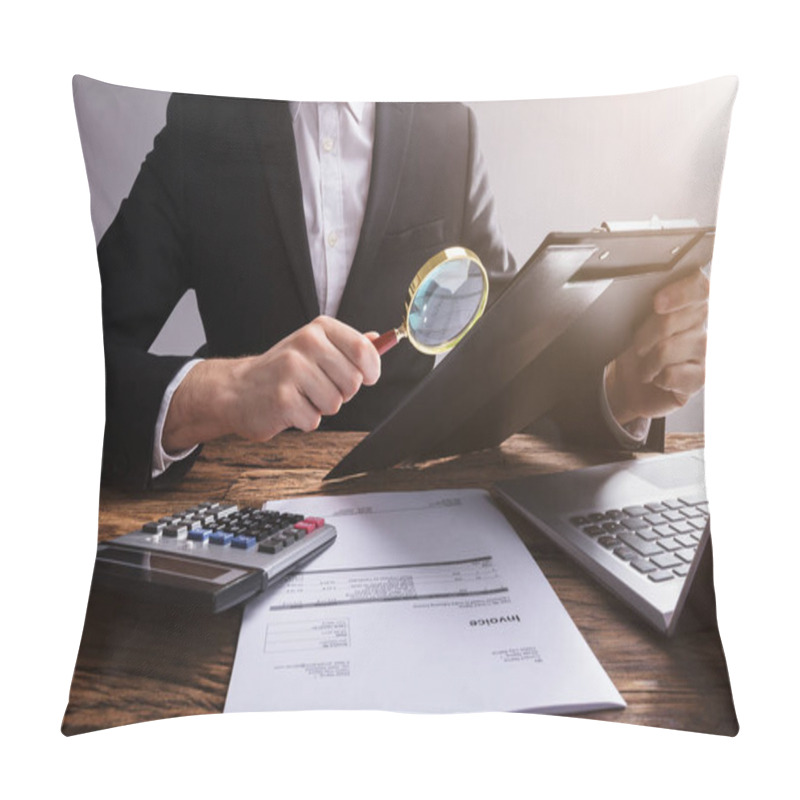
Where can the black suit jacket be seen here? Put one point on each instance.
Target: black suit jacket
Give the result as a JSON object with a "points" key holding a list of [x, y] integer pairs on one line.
{"points": [[217, 207]]}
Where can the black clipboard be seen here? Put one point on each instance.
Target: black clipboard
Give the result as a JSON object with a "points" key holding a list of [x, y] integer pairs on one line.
{"points": [[579, 293]]}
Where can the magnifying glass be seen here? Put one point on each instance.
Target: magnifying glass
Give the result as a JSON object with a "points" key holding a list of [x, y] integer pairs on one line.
{"points": [[445, 299]]}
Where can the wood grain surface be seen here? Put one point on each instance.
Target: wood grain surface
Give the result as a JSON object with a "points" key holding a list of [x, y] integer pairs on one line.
{"points": [[143, 661]]}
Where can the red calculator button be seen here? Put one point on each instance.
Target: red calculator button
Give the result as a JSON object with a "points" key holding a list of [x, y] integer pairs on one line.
{"points": [[305, 525]]}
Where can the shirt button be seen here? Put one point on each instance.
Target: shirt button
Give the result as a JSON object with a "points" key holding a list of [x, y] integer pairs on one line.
{"points": [[327, 144], [333, 238]]}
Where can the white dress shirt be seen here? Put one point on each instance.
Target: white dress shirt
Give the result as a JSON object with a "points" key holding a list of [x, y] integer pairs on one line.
{"points": [[334, 154]]}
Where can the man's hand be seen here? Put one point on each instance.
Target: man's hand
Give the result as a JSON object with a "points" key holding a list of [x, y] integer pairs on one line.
{"points": [[304, 377], [665, 364]]}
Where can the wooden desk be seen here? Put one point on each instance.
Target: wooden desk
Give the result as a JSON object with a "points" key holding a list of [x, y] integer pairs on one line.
{"points": [[141, 661]]}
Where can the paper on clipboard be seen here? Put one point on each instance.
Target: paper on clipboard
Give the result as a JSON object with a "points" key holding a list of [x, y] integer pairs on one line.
{"points": [[427, 602]]}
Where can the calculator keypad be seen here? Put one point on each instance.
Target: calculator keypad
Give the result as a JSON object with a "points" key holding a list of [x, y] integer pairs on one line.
{"points": [[219, 528]]}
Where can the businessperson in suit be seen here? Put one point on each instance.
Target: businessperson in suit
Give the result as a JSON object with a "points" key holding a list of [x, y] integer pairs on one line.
{"points": [[300, 227]]}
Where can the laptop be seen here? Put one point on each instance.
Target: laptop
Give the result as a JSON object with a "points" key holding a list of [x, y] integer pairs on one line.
{"points": [[640, 527]]}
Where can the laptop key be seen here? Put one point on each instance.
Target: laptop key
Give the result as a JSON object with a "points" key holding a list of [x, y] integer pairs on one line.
{"points": [[625, 553], [635, 511], [635, 524], [608, 541], [686, 554], [691, 511], [666, 561], [669, 544], [642, 547], [661, 575], [682, 527], [612, 527]]}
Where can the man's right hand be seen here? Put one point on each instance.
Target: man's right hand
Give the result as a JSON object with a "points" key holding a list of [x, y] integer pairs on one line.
{"points": [[304, 377]]}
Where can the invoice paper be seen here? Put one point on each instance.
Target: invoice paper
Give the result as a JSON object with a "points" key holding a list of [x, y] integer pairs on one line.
{"points": [[426, 602]]}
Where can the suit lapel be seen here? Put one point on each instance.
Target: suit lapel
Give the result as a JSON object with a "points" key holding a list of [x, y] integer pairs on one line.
{"points": [[272, 130], [392, 129]]}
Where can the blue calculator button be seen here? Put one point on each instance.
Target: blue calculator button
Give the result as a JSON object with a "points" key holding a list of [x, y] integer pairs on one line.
{"points": [[199, 535], [220, 537], [243, 542]]}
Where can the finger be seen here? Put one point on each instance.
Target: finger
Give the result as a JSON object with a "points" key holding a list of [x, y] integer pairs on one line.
{"points": [[319, 367], [320, 391], [658, 327], [335, 364], [286, 406], [683, 380], [304, 414], [342, 373], [686, 346], [356, 347], [686, 291]]}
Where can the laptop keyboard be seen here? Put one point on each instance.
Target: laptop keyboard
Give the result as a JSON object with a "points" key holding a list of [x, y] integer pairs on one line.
{"points": [[658, 540]]}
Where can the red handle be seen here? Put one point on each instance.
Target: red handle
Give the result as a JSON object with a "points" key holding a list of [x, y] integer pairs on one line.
{"points": [[385, 342]]}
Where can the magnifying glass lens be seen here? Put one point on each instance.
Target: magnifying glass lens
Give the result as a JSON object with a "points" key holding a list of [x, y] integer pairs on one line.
{"points": [[446, 298], [446, 302]]}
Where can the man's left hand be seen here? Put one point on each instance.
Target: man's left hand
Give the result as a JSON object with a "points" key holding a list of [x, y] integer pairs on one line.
{"points": [[665, 364]]}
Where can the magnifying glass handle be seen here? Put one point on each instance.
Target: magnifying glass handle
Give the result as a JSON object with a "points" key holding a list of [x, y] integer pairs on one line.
{"points": [[386, 342]]}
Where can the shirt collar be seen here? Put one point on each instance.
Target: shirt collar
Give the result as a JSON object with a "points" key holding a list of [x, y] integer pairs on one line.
{"points": [[356, 109]]}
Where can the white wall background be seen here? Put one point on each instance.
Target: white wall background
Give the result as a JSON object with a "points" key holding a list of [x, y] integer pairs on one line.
{"points": [[554, 165]]}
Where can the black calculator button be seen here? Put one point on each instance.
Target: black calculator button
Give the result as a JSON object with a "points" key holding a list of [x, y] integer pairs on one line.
{"points": [[153, 527]]}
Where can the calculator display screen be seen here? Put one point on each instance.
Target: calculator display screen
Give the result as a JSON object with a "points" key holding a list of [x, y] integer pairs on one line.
{"points": [[151, 562], [184, 566]]}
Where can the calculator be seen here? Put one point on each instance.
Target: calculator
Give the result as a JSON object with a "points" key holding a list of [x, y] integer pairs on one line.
{"points": [[213, 555]]}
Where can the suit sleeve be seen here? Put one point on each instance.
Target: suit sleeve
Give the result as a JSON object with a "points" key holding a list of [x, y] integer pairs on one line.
{"points": [[142, 259]]}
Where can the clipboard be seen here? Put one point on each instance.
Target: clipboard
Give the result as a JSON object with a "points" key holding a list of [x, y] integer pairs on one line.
{"points": [[576, 301]]}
